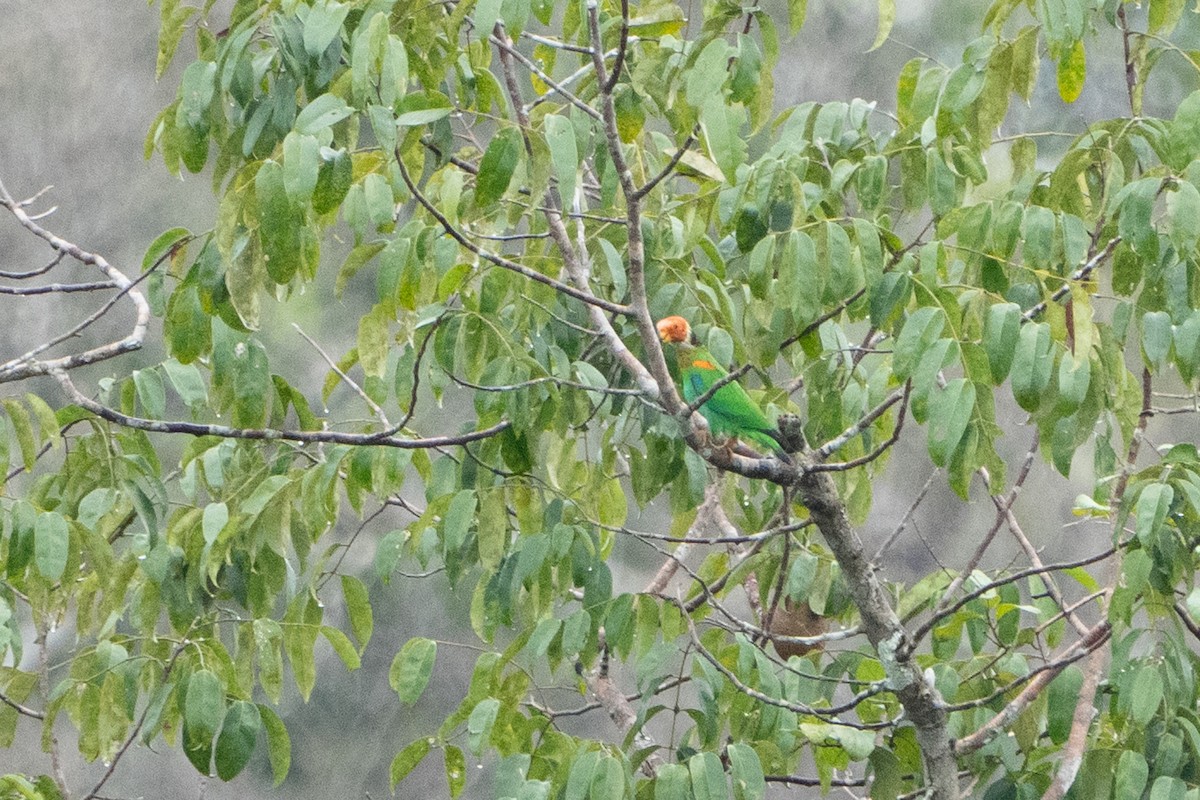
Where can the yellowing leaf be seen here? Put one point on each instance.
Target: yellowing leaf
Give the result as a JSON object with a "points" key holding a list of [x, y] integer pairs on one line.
{"points": [[1072, 69]]}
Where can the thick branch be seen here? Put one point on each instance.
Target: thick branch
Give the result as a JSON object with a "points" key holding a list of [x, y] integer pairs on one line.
{"points": [[922, 702], [635, 248]]}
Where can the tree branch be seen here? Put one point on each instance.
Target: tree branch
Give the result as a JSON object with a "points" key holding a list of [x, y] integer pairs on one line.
{"points": [[921, 700], [499, 260], [1095, 638], [28, 365], [268, 434]]}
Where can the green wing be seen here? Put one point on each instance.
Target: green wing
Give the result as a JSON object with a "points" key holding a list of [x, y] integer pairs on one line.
{"points": [[730, 411]]}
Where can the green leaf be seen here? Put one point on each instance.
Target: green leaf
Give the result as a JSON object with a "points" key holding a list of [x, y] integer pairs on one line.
{"points": [[279, 744], [497, 167], [1164, 15], [950, 412], [48, 426], [408, 759], [197, 88], [1146, 695], [23, 429], [721, 125], [342, 646], [150, 392], [423, 116], [321, 113], [479, 724], [921, 329], [887, 18], [708, 778], [1168, 787], [301, 165], [1001, 332], [188, 383], [797, 12], [216, 516], [1060, 710], [492, 533], [456, 769], [204, 708], [51, 544], [235, 745], [1037, 229], [166, 242], [300, 639], [358, 607], [608, 782], [411, 669], [173, 18], [515, 14], [671, 783], [560, 137], [1074, 378], [279, 234], [1193, 604], [1183, 217], [1135, 206], [268, 637], [1156, 338], [457, 521], [374, 338], [1032, 365], [746, 771], [334, 178], [1132, 774], [323, 25]]}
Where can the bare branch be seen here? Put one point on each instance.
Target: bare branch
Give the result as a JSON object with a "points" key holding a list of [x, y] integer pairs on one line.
{"points": [[506, 46], [639, 307], [904, 519], [56, 288], [28, 365], [942, 613], [43, 655], [575, 258], [1072, 752], [623, 44], [20, 709], [921, 700], [269, 434]]}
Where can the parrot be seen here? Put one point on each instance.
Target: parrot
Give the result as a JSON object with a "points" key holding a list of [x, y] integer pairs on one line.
{"points": [[730, 411]]}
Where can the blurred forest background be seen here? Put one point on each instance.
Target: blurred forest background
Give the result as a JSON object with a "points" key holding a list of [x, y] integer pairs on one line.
{"points": [[77, 94]]}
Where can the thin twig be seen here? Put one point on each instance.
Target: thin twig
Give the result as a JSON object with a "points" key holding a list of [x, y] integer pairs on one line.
{"points": [[379, 412]]}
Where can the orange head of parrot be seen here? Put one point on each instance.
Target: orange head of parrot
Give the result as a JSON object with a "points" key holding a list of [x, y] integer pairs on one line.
{"points": [[674, 330]]}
